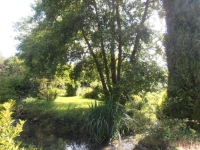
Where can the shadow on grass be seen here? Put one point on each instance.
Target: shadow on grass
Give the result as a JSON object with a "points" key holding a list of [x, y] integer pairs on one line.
{"points": [[60, 117]]}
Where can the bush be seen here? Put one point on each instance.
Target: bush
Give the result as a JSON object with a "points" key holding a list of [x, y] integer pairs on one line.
{"points": [[91, 94], [71, 89], [9, 130], [166, 131], [48, 94], [8, 88], [95, 93], [139, 122], [13, 87], [48, 90]]}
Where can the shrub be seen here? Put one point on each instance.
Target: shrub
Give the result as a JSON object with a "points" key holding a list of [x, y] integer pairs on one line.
{"points": [[95, 93], [9, 130], [166, 131], [71, 89], [49, 94], [47, 90], [7, 89], [91, 94], [138, 121]]}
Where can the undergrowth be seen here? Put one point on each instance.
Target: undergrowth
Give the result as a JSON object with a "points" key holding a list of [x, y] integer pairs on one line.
{"points": [[99, 122]]}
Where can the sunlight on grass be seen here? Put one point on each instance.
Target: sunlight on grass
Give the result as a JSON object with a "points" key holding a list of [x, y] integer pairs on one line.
{"points": [[73, 102]]}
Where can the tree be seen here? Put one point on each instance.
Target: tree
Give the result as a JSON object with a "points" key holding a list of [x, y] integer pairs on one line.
{"points": [[183, 57], [115, 35], [13, 78], [14, 67], [2, 59]]}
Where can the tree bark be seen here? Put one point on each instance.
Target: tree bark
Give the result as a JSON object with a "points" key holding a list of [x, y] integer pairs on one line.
{"points": [[105, 61], [112, 49], [183, 56], [139, 34], [119, 42], [99, 69]]}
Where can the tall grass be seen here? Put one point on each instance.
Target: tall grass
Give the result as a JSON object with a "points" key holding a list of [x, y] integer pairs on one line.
{"points": [[105, 121]]}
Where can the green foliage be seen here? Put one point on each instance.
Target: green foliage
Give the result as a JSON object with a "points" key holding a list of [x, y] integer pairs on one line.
{"points": [[14, 67], [106, 121], [183, 51], [48, 90], [2, 59], [101, 122], [85, 70], [100, 43], [142, 77], [13, 78], [94, 93], [60, 144], [166, 131], [48, 94], [139, 120], [156, 133], [62, 117], [71, 89], [8, 129], [91, 94], [11, 88]]}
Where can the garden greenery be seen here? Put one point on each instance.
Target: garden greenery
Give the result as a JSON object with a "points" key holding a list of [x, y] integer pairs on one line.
{"points": [[9, 129]]}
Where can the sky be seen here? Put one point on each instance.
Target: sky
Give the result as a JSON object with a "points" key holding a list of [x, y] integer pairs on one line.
{"points": [[10, 12]]}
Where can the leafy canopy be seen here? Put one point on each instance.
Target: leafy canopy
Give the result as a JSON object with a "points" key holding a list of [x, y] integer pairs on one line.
{"points": [[113, 37]]}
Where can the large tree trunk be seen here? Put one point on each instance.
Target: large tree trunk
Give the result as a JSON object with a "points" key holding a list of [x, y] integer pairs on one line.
{"points": [[183, 58]]}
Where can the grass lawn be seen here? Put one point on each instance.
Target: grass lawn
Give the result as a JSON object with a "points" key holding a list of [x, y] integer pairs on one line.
{"points": [[60, 107], [73, 102]]}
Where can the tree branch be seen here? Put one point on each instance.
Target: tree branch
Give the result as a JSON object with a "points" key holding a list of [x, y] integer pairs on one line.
{"points": [[105, 61], [98, 66], [119, 42], [138, 36], [112, 49]]}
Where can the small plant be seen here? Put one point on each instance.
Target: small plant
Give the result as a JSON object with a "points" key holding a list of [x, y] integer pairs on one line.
{"points": [[48, 90], [9, 130]]}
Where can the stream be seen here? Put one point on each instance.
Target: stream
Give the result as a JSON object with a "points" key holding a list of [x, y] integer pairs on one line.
{"points": [[52, 142]]}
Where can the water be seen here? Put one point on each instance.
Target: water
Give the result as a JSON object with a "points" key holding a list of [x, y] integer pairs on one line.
{"points": [[52, 142], [75, 146], [45, 141]]}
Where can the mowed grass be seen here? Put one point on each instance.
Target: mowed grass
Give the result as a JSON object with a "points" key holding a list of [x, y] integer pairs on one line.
{"points": [[61, 106], [66, 103]]}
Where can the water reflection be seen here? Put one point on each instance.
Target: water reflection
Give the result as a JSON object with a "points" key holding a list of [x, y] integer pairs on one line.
{"points": [[75, 146], [52, 142]]}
